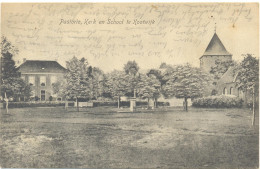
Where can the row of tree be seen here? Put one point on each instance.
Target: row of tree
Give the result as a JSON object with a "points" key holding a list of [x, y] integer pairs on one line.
{"points": [[85, 81]]}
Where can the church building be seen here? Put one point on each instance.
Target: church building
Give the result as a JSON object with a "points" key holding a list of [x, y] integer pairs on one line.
{"points": [[226, 85]]}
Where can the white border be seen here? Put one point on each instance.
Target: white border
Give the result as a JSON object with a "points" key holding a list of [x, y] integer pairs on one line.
{"points": [[128, 1]]}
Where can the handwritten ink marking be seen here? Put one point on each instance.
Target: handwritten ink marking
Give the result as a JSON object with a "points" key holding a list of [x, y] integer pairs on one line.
{"points": [[143, 22]]}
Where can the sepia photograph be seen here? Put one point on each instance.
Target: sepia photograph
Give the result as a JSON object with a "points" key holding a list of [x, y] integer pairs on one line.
{"points": [[129, 85]]}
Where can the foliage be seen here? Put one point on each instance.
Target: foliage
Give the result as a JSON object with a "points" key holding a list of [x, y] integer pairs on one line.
{"points": [[158, 74], [218, 102], [118, 83], [131, 68], [185, 82], [11, 83], [248, 74], [59, 87], [98, 82], [221, 67], [148, 87], [15, 87], [78, 80]]}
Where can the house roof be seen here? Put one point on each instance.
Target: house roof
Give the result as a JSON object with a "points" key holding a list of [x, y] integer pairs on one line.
{"points": [[38, 66], [216, 47]]}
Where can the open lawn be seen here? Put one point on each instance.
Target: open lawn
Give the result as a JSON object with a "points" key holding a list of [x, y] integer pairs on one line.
{"points": [[102, 138]]}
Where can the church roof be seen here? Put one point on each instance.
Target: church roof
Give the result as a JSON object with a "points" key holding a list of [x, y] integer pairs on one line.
{"points": [[230, 76], [216, 47], [38, 66]]}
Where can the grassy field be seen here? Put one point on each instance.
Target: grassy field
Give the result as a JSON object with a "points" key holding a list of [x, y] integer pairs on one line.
{"points": [[102, 138]]}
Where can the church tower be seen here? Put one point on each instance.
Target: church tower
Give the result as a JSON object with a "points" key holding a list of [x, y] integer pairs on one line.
{"points": [[215, 51]]}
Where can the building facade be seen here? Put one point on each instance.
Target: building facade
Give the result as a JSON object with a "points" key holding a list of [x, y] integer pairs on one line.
{"points": [[41, 75], [215, 51]]}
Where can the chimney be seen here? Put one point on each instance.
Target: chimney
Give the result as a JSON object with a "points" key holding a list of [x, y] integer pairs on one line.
{"points": [[24, 60]]}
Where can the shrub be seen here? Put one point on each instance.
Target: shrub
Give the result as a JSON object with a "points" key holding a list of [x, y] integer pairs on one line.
{"points": [[71, 103], [218, 102], [126, 103], [33, 104]]}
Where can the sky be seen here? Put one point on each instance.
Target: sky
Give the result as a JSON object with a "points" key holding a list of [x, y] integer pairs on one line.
{"points": [[110, 34]]}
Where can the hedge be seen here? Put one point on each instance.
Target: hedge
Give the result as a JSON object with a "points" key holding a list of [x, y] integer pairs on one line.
{"points": [[33, 104], [127, 103], [62, 103], [218, 102]]}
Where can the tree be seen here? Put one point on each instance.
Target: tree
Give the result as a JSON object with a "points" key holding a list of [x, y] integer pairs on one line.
{"points": [[11, 83], [186, 82], [131, 68], [78, 78], [248, 78], [118, 84], [158, 74], [99, 80], [148, 88]]}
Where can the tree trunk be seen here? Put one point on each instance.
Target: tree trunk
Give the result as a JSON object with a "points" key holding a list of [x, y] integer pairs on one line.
{"points": [[245, 96], [185, 104], [77, 104], [118, 102], [253, 100], [155, 103], [66, 104], [6, 101], [148, 103]]}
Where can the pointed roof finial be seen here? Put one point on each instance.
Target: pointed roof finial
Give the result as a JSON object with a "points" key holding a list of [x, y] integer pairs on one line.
{"points": [[215, 27]]}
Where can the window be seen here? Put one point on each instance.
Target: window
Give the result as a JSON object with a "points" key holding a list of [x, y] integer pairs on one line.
{"points": [[31, 80], [42, 95], [53, 79], [231, 90], [225, 91], [43, 80]]}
